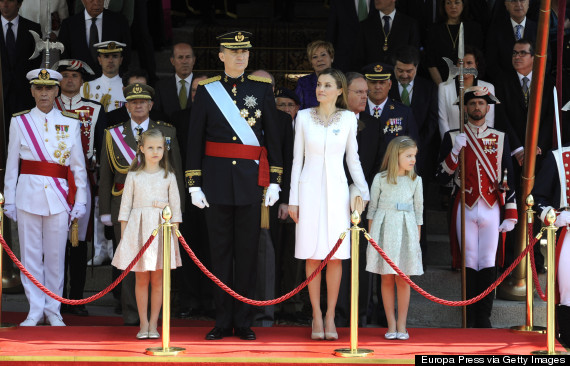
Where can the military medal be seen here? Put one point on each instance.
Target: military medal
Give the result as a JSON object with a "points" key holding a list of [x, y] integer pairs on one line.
{"points": [[234, 90], [250, 101], [167, 143], [257, 113], [244, 113], [385, 48], [251, 121]]}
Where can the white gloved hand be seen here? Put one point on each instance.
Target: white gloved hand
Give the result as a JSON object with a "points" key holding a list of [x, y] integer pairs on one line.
{"points": [[199, 199], [10, 211], [106, 220], [272, 194], [460, 143], [563, 219], [506, 226], [78, 210]]}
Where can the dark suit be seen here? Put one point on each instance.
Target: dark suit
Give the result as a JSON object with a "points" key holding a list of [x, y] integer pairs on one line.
{"points": [[403, 32], [73, 36], [499, 46], [342, 30], [402, 115], [166, 97], [16, 88]]}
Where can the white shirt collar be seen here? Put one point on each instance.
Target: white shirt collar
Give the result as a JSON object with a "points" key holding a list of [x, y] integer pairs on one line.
{"points": [[391, 15], [188, 79], [514, 24], [14, 22], [410, 87], [41, 114], [521, 76], [134, 126], [88, 17], [372, 105], [105, 77]]}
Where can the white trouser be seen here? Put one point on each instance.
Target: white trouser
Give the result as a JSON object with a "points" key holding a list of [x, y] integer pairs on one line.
{"points": [[481, 234], [101, 245], [564, 272], [84, 220], [42, 248]]}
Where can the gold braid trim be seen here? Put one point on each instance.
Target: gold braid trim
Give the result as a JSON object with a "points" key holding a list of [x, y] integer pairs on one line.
{"points": [[116, 193], [111, 156], [193, 173], [210, 80], [105, 101], [86, 91], [276, 169], [259, 78]]}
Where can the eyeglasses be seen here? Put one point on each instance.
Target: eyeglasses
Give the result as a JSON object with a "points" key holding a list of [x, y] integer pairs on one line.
{"points": [[286, 105], [521, 53], [360, 93]]}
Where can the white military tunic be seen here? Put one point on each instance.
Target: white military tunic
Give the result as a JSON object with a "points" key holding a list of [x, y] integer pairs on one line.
{"points": [[107, 91]]}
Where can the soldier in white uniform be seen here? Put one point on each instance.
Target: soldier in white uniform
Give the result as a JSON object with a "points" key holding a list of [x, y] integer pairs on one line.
{"points": [[108, 88], [48, 193]]}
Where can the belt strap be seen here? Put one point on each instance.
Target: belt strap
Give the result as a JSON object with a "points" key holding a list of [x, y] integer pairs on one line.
{"points": [[239, 151], [47, 169]]}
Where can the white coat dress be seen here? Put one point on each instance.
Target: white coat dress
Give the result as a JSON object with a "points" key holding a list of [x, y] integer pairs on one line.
{"points": [[319, 185]]}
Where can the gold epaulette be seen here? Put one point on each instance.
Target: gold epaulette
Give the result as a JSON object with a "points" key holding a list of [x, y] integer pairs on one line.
{"points": [[162, 123], [111, 127], [86, 90], [259, 78], [20, 113], [211, 80], [70, 115], [111, 154]]}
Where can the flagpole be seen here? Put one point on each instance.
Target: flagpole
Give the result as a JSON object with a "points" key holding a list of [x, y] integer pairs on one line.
{"points": [[460, 56]]}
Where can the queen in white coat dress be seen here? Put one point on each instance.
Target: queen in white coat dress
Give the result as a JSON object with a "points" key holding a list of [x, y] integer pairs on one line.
{"points": [[319, 196]]}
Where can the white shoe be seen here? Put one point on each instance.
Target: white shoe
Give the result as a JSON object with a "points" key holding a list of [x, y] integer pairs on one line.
{"points": [[98, 260], [55, 320], [29, 322]]}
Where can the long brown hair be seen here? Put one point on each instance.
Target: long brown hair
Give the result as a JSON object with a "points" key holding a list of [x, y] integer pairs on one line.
{"points": [[390, 162], [340, 80], [139, 162]]}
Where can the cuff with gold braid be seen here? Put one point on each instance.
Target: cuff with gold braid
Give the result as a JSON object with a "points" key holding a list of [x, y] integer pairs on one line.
{"points": [[275, 174], [193, 178]]}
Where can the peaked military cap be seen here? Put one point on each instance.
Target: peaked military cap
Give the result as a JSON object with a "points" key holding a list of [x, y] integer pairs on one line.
{"points": [[44, 77], [138, 91], [235, 40], [73, 65], [377, 71], [109, 47]]}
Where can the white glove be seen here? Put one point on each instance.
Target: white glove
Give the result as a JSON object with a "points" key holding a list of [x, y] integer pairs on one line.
{"points": [[460, 143], [272, 194], [506, 226], [106, 220], [562, 220], [199, 199], [10, 211], [78, 210]]}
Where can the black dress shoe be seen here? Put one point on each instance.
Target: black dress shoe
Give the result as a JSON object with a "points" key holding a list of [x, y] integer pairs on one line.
{"points": [[218, 333], [245, 333], [79, 310], [183, 313]]}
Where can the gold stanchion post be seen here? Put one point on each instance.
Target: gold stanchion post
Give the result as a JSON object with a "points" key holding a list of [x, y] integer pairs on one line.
{"points": [[2, 325], [550, 330], [354, 351], [529, 327], [165, 350]]}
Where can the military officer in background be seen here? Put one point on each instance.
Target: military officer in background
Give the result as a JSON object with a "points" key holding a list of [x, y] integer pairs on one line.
{"points": [[119, 149], [90, 113], [108, 88], [395, 118], [234, 151], [489, 198], [48, 192]]}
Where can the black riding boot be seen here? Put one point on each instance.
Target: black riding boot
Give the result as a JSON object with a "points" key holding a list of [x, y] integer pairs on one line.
{"points": [[563, 319], [485, 278], [471, 291]]}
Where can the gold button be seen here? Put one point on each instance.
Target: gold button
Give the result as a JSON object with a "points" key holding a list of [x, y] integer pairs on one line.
{"points": [[234, 162], [234, 138], [45, 187], [46, 140]]}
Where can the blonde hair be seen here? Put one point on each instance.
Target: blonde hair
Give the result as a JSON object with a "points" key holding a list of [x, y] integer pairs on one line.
{"points": [[340, 80], [390, 162], [313, 46], [139, 162]]}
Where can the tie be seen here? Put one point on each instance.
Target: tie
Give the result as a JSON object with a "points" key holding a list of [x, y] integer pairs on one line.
{"points": [[376, 112], [405, 95], [362, 10], [183, 96], [139, 132], [93, 38], [11, 44], [386, 25], [518, 31], [525, 90]]}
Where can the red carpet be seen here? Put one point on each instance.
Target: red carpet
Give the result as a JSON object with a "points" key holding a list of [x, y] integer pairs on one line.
{"points": [[98, 345]]}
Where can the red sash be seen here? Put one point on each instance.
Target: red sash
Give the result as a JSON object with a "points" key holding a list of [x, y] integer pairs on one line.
{"points": [[47, 169], [239, 151]]}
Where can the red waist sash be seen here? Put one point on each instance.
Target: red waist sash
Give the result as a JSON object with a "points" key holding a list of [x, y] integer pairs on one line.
{"points": [[46, 169], [239, 151]]}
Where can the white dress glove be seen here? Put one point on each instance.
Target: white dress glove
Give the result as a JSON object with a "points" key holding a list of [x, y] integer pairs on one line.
{"points": [[10, 211], [506, 226], [78, 210], [272, 194], [562, 220], [106, 220], [199, 199], [460, 143]]}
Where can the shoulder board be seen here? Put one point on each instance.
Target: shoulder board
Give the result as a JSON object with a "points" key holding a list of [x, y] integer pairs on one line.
{"points": [[162, 123], [210, 80], [70, 115], [111, 127], [259, 78], [20, 113], [87, 100]]}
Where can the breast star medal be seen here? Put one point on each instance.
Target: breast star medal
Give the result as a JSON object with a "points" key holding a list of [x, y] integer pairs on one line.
{"points": [[251, 121], [257, 113], [244, 113], [250, 101]]}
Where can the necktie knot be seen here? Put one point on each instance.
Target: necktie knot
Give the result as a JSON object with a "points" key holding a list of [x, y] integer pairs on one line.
{"points": [[93, 20], [139, 132], [10, 24], [518, 31]]}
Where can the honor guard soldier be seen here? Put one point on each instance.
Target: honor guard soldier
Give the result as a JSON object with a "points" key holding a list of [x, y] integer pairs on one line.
{"points": [[90, 113], [552, 190], [489, 198], [48, 192], [119, 150], [234, 151], [396, 119], [108, 88]]}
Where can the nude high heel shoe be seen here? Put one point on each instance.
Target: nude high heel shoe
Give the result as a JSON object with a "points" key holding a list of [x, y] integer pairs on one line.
{"points": [[316, 335], [331, 335]]}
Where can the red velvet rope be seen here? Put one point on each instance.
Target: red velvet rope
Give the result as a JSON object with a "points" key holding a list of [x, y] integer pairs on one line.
{"points": [[541, 294], [448, 302], [69, 301], [246, 300]]}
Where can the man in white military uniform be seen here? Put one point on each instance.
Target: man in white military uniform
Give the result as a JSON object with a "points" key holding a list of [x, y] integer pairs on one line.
{"points": [[49, 192], [108, 88]]}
